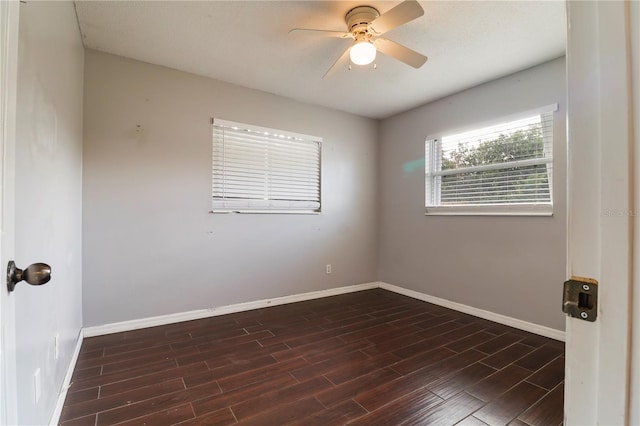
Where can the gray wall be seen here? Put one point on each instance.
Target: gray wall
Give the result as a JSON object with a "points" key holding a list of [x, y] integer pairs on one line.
{"points": [[48, 199], [151, 245], [513, 266]]}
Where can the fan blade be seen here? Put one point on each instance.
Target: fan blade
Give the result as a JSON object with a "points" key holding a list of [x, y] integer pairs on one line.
{"points": [[322, 33], [406, 11], [340, 61], [400, 52]]}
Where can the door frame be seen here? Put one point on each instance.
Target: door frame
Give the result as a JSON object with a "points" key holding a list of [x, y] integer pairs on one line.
{"points": [[634, 409], [602, 216], [9, 23]]}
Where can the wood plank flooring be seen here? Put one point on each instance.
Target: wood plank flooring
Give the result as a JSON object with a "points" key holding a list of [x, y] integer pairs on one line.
{"points": [[367, 358]]}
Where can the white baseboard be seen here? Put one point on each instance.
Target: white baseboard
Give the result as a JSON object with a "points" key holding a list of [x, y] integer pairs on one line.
{"points": [[488, 315], [62, 395], [118, 327]]}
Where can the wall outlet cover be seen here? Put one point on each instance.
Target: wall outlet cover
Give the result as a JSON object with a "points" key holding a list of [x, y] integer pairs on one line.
{"points": [[36, 386], [56, 346]]}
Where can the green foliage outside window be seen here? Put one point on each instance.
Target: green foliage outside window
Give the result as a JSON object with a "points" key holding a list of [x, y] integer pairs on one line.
{"points": [[503, 184]]}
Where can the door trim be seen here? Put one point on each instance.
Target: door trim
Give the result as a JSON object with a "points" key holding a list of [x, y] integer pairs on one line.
{"points": [[600, 200]]}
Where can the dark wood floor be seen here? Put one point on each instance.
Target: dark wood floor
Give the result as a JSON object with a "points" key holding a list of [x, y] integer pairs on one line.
{"points": [[366, 358]]}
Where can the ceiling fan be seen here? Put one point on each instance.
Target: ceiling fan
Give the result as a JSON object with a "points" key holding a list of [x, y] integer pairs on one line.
{"points": [[365, 26]]}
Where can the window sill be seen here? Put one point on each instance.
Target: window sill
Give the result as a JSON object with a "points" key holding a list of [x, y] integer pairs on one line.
{"points": [[497, 210], [304, 212]]}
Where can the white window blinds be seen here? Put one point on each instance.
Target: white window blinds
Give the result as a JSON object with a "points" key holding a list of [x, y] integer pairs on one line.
{"points": [[260, 169], [508, 164]]}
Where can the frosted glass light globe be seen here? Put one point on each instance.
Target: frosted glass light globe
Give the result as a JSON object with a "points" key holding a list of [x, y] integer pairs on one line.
{"points": [[363, 53]]}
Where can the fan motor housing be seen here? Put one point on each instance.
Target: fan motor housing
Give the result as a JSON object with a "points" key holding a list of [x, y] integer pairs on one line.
{"points": [[359, 18]]}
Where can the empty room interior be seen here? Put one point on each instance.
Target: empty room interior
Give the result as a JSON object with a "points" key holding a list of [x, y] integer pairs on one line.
{"points": [[243, 225]]}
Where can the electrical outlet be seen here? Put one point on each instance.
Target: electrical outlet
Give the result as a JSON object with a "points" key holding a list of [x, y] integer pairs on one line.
{"points": [[328, 268], [56, 346], [36, 386]]}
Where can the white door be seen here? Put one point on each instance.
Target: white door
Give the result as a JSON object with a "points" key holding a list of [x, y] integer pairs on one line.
{"points": [[602, 212], [9, 19]]}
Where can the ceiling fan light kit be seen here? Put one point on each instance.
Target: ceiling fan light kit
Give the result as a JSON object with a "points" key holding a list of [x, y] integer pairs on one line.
{"points": [[365, 26], [362, 53]]}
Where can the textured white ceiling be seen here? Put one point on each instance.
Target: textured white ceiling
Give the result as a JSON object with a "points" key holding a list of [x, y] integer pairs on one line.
{"points": [[246, 43]]}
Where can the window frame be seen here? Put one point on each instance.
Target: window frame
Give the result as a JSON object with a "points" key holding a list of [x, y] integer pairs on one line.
{"points": [[515, 209], [217, 122]]}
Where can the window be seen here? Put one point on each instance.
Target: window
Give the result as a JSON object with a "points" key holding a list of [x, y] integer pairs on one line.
{"points": [[256, 169], [504, 168]]}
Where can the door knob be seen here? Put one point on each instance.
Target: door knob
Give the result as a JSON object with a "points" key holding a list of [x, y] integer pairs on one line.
{"points": [[35, 274]]}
